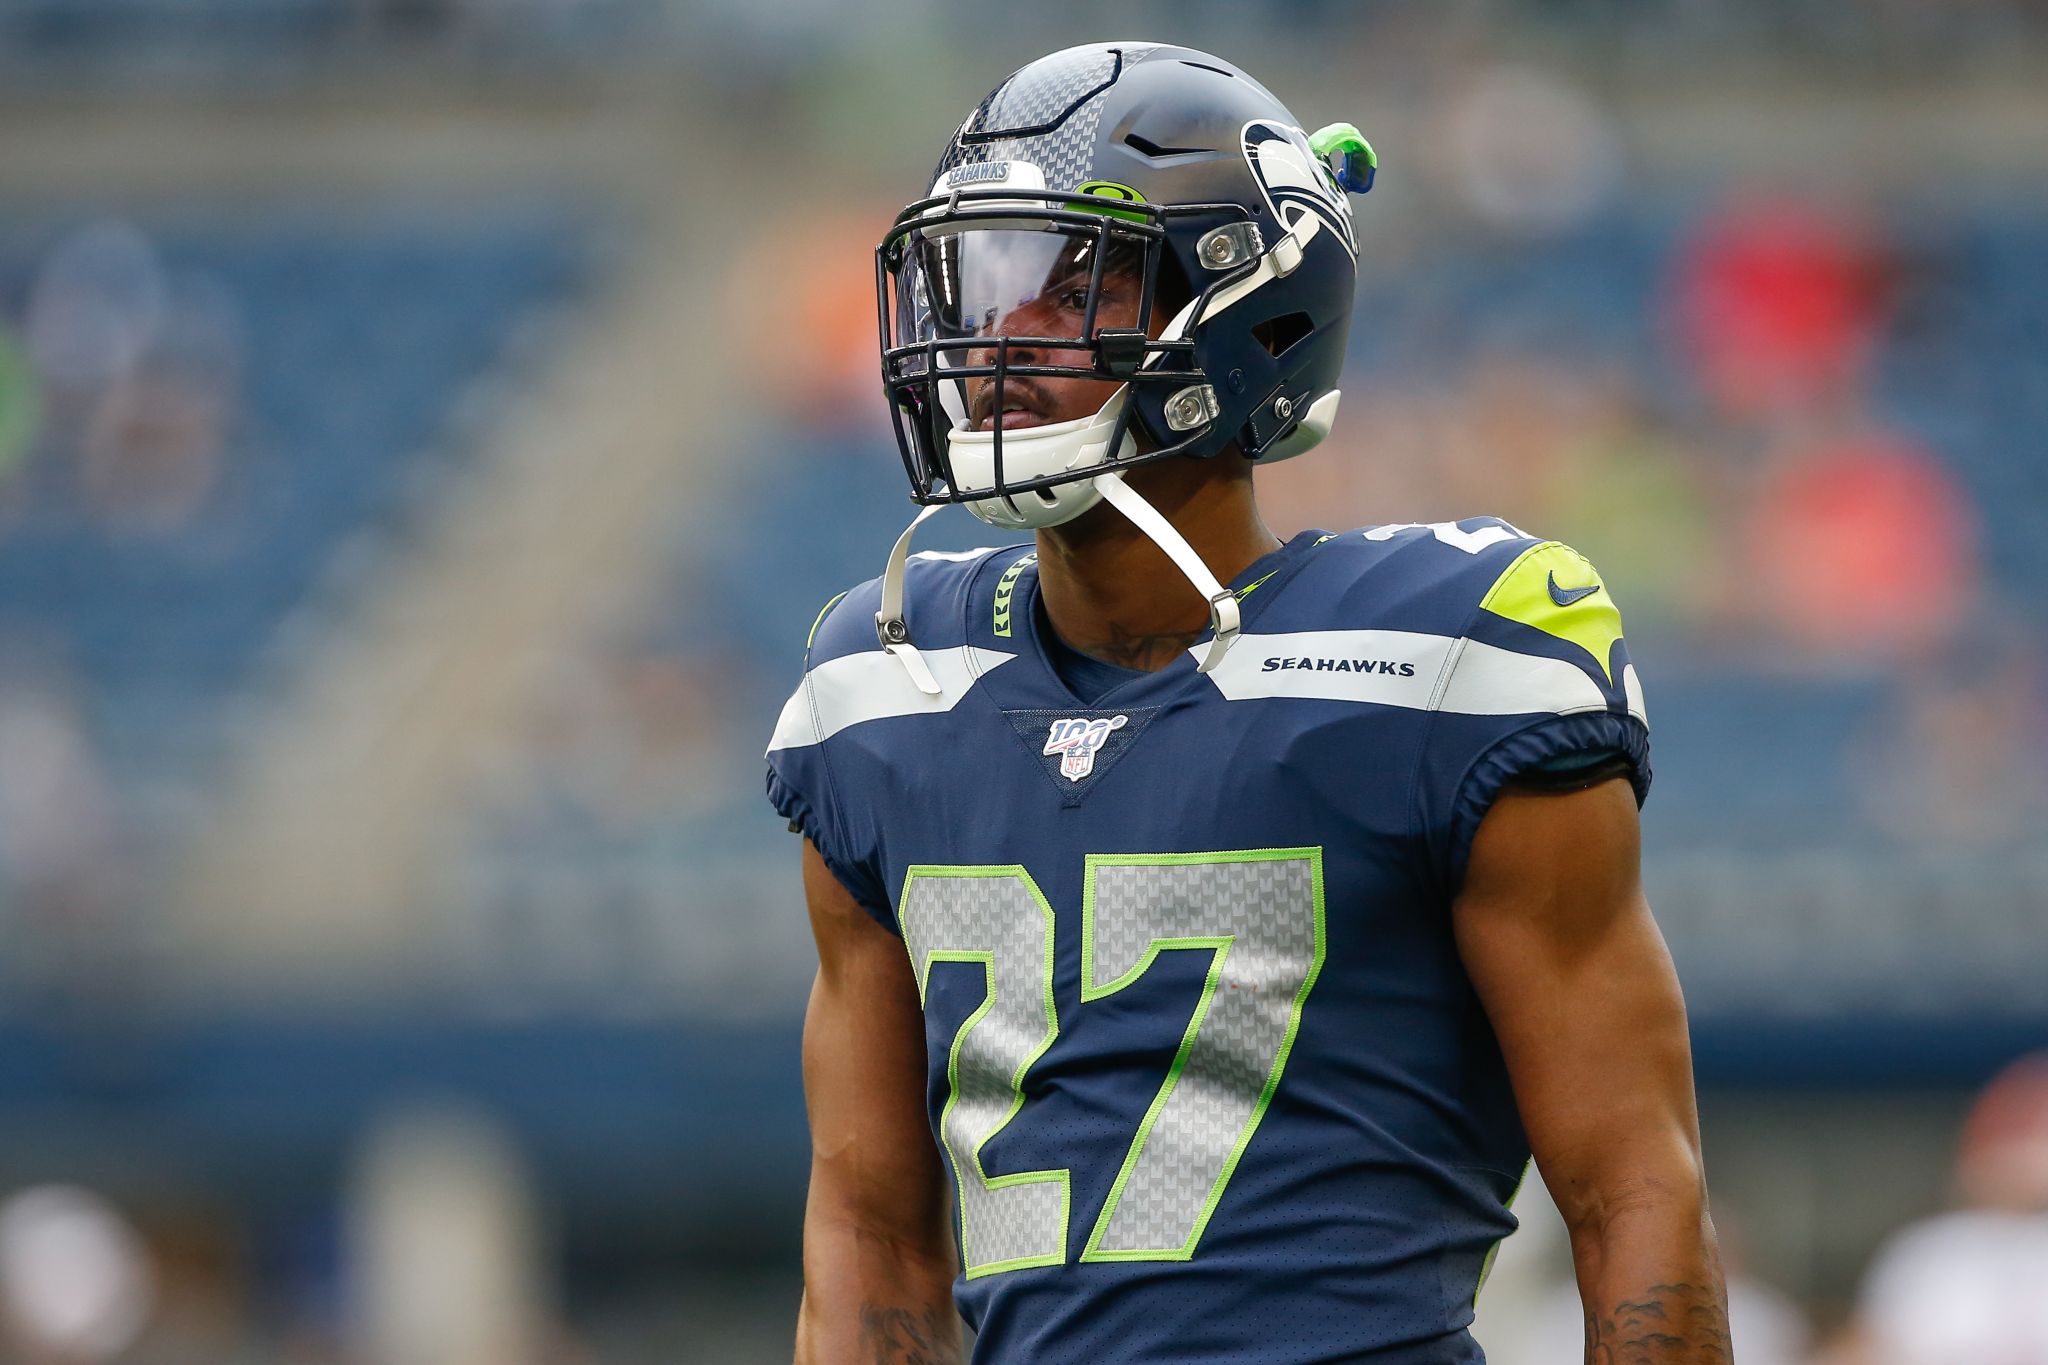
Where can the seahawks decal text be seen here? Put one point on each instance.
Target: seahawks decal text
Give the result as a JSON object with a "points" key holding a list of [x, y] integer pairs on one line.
{"points": [[1390, 666]]}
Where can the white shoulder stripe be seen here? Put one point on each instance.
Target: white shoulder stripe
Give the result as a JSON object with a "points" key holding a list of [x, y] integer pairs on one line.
{"points": [[872, 685], [957, 556], [1391, 667], [1403, 668], [1490, 681]]}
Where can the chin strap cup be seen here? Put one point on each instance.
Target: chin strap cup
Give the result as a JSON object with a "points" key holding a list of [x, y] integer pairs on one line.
{"points": [[1223, 619], [1223, 608], [890, 627]]}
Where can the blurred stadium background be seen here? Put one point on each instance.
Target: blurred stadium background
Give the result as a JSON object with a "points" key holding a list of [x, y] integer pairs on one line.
{"points": [[428, 428]]}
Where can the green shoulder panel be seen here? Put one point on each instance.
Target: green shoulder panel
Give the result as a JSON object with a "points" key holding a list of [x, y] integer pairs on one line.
{"points": [[1556, 590]]}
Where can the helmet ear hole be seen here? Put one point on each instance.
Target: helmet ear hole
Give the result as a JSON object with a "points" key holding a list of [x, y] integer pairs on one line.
{"points": [[1281, 334]]}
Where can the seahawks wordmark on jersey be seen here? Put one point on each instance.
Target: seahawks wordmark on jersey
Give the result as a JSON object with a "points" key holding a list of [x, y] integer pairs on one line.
{"points": [[1210, 1079]]}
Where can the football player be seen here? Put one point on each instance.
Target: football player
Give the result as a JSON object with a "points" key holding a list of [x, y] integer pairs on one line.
{"points": [[1209, 927]]}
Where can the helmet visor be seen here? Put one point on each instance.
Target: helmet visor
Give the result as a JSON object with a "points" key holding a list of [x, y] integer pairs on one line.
{"points": [[1022, 283], [1014, 307]]}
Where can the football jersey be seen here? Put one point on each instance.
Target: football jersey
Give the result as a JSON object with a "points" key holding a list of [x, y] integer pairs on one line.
{"points": [[1205, 1066]]}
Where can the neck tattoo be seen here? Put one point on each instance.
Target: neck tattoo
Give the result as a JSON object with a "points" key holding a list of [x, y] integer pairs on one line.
{"points": [[1149, 652]]}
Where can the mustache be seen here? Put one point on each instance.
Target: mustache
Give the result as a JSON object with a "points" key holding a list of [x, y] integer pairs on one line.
{"points": [[1022, 389]]}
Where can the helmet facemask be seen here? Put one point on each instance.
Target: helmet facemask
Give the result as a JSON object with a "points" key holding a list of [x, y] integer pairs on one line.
{"points": [[986, 300], [1001, 319]]}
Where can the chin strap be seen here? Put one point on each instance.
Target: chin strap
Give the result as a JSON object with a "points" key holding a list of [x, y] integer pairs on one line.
{"points": [[894, 633], [1223, 617], [890, 628]]}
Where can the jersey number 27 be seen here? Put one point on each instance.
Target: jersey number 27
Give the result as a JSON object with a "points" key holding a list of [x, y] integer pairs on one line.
{"points": [[1258, 914]]}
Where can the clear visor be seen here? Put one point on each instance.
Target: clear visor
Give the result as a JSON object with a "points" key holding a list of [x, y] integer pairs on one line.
{"points": [[1011, 282], [1044, 291]]}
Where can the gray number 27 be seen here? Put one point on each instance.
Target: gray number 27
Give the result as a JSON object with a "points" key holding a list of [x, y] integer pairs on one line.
{"points": [[1258, 913]]}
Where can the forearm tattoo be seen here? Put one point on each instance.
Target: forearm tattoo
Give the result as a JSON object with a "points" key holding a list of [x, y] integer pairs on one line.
{"points": [[904, 1336], [1669, 1324]]}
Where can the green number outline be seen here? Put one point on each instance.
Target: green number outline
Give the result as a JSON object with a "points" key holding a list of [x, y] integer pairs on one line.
{"points": [[922, 971], [1220, 944]]}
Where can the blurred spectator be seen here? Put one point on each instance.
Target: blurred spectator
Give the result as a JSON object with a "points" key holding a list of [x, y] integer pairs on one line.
{"points": [[57, 823], [94, 305], [445, 1245], [75, 1279], [1778, 307], [1532, 154], [154, 444], [1966, 1286], [1862, 549], [142, 372]]}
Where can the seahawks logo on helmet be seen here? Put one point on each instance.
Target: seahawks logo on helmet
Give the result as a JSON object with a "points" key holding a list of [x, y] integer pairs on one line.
{"points": [[1297, 183]]}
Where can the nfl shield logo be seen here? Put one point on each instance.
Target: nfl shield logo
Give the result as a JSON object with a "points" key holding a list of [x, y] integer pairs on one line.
{"points": [[1077, 741]]}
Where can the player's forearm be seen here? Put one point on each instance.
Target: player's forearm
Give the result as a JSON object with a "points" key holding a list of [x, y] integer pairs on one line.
{"points": [[1650, 1278], [869, 1300]]}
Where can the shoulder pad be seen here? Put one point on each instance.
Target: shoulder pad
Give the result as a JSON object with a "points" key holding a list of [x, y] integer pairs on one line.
{"points": [[845, 625], [1553, 588], [1473, 535], [935, 584], [1426, 576]]}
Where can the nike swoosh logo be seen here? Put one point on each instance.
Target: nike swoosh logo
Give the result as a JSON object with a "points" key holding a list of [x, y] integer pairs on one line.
{"points": [[1564, 597]]}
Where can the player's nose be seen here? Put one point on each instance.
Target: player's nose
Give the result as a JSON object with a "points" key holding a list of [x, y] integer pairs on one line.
{"points": [[1026, 320], [1011, 327]]}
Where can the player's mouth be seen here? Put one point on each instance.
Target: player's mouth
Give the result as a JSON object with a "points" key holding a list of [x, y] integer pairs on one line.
{"points": [[1024, 405]]}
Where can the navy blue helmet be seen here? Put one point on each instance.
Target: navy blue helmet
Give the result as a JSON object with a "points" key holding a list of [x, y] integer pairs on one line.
{"points": [[1137, 214]]}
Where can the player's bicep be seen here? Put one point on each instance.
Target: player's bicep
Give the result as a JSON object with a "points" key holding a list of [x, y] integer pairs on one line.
{"points": [[1558, 939], [873, 1163]]}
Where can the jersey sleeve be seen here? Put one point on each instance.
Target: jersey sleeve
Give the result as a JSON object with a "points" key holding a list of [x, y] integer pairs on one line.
{"points": [[1539, 688], [801, 785]]}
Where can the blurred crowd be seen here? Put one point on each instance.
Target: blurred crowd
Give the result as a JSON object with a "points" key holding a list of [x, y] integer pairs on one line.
{"points": [[197, 414], [1795, 421], [121, 388], [438, 1253], [120, 410]]}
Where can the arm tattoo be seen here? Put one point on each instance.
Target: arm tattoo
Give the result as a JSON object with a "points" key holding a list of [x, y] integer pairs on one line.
{"points": [[903, 1336], [1670, 1324]]}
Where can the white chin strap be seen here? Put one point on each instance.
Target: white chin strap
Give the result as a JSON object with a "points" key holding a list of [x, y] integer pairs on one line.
{"points": [[1223, 616], [894, 632], [890, 626]]}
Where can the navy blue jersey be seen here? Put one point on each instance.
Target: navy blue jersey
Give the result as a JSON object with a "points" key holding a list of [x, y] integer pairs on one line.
{"points": [[1210, 1077]]}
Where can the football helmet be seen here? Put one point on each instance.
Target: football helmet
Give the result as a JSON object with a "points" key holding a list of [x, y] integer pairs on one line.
{"points": [[1139, 216]]}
